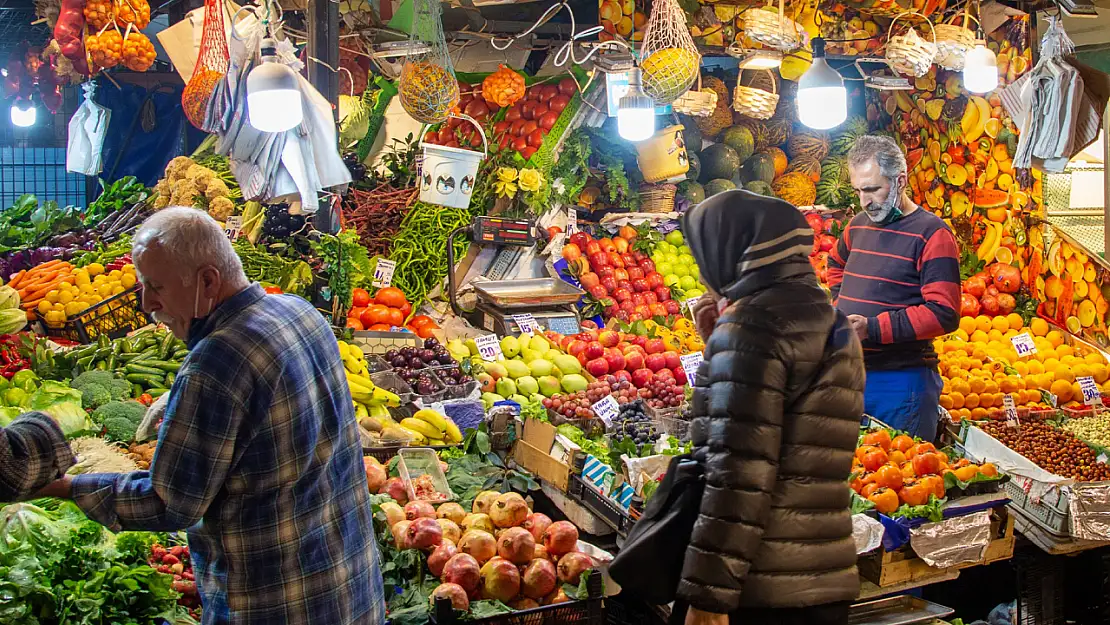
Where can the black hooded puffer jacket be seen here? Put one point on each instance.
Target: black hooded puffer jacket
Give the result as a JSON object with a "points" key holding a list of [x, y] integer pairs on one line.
{"points": [[778, 402]]}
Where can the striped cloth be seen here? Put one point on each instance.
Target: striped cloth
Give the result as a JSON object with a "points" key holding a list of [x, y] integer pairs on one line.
{"points": [[259, 457], [905, 278], [33, 453]]}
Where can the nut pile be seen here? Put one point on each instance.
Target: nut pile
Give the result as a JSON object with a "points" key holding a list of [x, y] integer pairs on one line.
{"points": [[1094, 430], [1052, 449]]}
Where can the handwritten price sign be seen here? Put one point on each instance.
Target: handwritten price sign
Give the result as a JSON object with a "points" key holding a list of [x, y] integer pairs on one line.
{"points": [[526, 323], [383, 272], [1091, 395], [1023, 344], [690, 364], [489, 348], [606, 409]]}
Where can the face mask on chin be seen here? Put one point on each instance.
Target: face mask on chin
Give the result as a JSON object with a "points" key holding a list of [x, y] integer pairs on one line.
{"points": [[889, 210], [197, 317]]}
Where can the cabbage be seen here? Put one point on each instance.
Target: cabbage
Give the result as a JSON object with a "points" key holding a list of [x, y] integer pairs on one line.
{"points": [[64, 404], [7, 415]]}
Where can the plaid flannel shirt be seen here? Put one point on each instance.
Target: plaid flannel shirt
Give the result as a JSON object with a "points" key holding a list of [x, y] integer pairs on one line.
{"points": [[259, 456], [33, 453]]}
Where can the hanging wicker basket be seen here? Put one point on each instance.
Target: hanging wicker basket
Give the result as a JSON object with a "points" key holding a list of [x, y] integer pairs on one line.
{"points": [[773, 28], [910, 54], [695, 102], [657, 198], [755, 102], [954, 42]]}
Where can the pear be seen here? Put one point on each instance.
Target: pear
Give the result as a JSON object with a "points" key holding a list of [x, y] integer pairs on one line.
{"points": [[510, 346], [539, 345], [527, 385]]}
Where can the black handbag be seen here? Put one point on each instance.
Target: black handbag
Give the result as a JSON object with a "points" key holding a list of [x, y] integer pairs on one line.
{"points": [[649, 565]]}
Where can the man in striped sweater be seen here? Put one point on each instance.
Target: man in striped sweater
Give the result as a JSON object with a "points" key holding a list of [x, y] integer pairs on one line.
{"points": [[896, 273]]}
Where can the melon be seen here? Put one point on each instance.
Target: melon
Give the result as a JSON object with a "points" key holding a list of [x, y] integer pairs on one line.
{"points": [[691, 134], [758, 167], [718, 185], [760, 187], [834, 188], [774, 131], [809, 144], [811, 167], [693, 192], [719, 161], [740, 138], [695, 167], [846, 135], [780, 160], [721, 117], [796, 188]]}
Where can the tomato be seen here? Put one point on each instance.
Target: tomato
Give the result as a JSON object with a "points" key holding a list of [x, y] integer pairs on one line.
{"points": [[514, 128], [445, 134], [477, 109], [547, 122], [540, 110], [420, 321], [549, 91], [379, 327], [427, 330], [527, 109], [533, 92], [885, 500], [568, 87], [451, 144], [375, 314], [505, 141], [520, 143], [273, 290], [406, 310], [513, 113], [553, 230], [356, 312], [453, 122], [390, 296], [360, 298], [500, 127], [354, 323], [396, 317], [528, 127], [431, 137], [558, 103], [535, 138]]}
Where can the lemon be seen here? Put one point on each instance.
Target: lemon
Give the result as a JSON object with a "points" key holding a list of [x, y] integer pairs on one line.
{"points": [[114, 274], [117, 289], [101, 279], [81, 277], [85, 289], [73, 308], [65, 297], [44, 307], [52, 296], [95, 269], [129, 268], [104, 290], [127, 281]]}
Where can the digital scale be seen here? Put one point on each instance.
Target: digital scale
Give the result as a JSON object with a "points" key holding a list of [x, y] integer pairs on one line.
{"points": [[550, 301]]}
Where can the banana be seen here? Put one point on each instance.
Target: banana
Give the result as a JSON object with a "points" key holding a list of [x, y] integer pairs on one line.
{"points": [[420, 427], [970, 118], [982, 116], [361, 382], [437, 442], [380, 412], [434, 419], [903, 101], [360, 411], [991, 242], [361, 396], [453, 433], [382, 397]]}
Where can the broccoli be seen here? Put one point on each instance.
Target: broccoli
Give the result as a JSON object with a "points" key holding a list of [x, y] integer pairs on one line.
{"points": [[120, 419], [100, 387], [120, 389]]}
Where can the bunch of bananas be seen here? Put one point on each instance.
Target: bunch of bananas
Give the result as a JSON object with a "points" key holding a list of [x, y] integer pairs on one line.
{"points": [[428, 427], [370, 400]]}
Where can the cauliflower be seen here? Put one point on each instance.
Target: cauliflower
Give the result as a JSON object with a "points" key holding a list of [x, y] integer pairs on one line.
{"points": [[220, 208], [120, 419], [184, 194], [199, 175], [176, 168], [161, 202], [216, 188]]}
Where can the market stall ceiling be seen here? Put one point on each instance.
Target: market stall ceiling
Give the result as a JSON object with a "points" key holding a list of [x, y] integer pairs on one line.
{"points": [[15, 26]]}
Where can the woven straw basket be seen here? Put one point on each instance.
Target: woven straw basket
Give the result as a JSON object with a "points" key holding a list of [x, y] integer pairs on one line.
{"points": [[954, 42], [657, 198], [772, 28], [910, 54], [755, 102], [696, 102]]}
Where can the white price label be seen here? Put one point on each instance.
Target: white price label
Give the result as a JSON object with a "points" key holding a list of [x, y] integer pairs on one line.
{"points": [[572, 221], [690, 303], [526, 323], [383, 272], [1011, 411], [233, 226], [1091, 394], [606, 409], [690, 364], [1023, 344], [489, 348]]}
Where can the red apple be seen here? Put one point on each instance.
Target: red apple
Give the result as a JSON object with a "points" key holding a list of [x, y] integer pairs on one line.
{"points": [[615, 359], [641, 341], [672, 360], [662, 293], [599, 260], [608, 282], [594, 350], [565, 341], [576, 347], [672, 306], [633, 359], [589, 279], [680, 376], [599, 292], [648, 265], [634, 273], [593, 247], [643, 311], [582, 358], [641, 377], [605, 272], [608, 338], [657, 309], [638, 299], [597, 366], [655, 361], [622, 295], [663, 375], [640, 285], [655, 346], [615, 259], [623, 374], [620, 274], [654, 279], [638, 255], [627, 305], [650, 299], [629, 260]]}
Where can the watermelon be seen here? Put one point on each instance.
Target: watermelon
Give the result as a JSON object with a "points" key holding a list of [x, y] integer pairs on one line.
{"points": [[693, 191], [847, 134], [834, 189], [989, 198], [760, 187], [691, 134], [719, 161], [695, 166], [740, 138], [718, 185], [759, 167]]}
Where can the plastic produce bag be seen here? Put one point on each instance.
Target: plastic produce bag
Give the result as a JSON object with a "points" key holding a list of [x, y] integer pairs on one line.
{"points": [[148, 427], [87, 129]]}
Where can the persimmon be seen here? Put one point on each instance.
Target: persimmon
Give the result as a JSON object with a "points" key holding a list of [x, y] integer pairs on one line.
{"points": [[889, 476], [915, 492], [885, 500], [920, 448], [874, 459], [902, 443], [390, 296], [878, 438]]}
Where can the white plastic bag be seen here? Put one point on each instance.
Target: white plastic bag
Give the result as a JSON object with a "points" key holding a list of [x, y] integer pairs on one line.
{"points": [[148, 427], [87, 129]]}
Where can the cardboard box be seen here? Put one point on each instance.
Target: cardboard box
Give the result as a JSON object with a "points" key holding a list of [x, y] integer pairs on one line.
{"points": [[533, 451]]}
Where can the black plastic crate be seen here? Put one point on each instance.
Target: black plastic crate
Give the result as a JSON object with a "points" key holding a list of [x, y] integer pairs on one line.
{"points": [[622, 610], [606, 509], [1040, 588], [115, 317], [589, 611]]}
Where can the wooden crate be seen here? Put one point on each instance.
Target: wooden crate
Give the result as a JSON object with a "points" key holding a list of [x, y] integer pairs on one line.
{"points": [[903, 568]]}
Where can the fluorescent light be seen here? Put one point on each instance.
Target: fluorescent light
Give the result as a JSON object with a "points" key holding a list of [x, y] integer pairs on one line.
{"points": [[761, 59], [822, 98], [273, 94], [24, 113], [635, 112], [981, 70]]}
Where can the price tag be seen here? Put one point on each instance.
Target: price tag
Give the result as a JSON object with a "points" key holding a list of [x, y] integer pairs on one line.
{"points": [[690, 303], [233, 226], [1091, 394], [1011, 411], [1023, 344], [526, 323], [572, 220], [1049, 398], [383, 272], [489, 348], [606, 409], [690, 364]]}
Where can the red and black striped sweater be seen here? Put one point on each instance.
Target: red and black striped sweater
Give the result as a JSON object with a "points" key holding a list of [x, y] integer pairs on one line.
{"points": [[905, 278]]}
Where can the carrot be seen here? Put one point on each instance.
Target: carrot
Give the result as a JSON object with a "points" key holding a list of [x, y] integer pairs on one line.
{"points": [[14, 282], [48, 264], [33, 285], [42, 291]]}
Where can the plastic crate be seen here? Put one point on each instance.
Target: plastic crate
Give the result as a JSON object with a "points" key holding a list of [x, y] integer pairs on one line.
{"points": [[115, 317], [670, 422], [606, 509], [1040, 588], [390, 381], [589, 611], [621, 610], [1049, 512], [375, 363], [459, 391], [416, 462]]}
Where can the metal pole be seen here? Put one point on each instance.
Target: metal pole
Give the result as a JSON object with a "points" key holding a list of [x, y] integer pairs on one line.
{"points": [[323, 49]]}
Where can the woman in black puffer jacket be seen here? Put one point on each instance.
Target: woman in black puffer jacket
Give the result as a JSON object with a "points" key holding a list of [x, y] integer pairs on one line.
{"points": [[777, 405]]}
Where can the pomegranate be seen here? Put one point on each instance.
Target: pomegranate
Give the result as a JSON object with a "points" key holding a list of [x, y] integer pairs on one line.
{"points": [[393, 513], [969, 306], [375, 473], [539, 579], [484, 500], [561, 537], [477, 522], [419, 510], [452, 511], [395, 488], [976, 285], [1007, 278], [500, 580], [399, 531], [423, 533], [556, 597], [463, 569], [537, 523], [450, 530], [508, 510], [444, 552], [454, 592], [516, 545], [540, 552], [572, 565], [989, 305], [523, 603], [1006, 303], [479, 544]]}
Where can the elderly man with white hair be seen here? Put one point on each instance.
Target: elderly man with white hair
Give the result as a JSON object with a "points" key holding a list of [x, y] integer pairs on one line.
{"points": [[259, 455]]}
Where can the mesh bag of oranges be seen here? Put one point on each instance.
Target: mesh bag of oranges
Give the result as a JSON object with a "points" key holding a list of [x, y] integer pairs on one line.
{"points": [[211, 66], [428, 88], [99, 13], [670, 59], [105, 48], [138, 51], [135, 12]]}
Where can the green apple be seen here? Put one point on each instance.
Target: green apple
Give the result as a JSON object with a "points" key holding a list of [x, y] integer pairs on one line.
{"points": [[687, 282], [663, 268], [674, 237], [670, 279], [686, 259], [685, 249], [671, 258], [694, 293], [680, 270]]}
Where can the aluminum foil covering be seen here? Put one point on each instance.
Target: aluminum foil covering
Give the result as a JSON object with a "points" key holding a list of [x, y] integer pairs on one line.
{"points": [[958, 540], [866, 532], [1089, 506]]}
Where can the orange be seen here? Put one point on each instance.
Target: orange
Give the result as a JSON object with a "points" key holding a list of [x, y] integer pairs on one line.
{"points": [[983, 323], [971, 401], [1001, 324], [986, 400], [1094, 359], [1015, 321], [961, 386], [977, 385], [1063, 372], [957, 398], [946, 402], [1021, 368], [1038, 326], [967, 324], [978, 414], [990, 386], [1061, 389], [1064, 350], [960, 334], [1055, 337], [1100, 372]]}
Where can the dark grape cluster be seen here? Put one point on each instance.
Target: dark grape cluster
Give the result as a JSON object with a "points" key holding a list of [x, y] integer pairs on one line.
{"points": [[279, 224], [633, 424], [662, 393]]}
